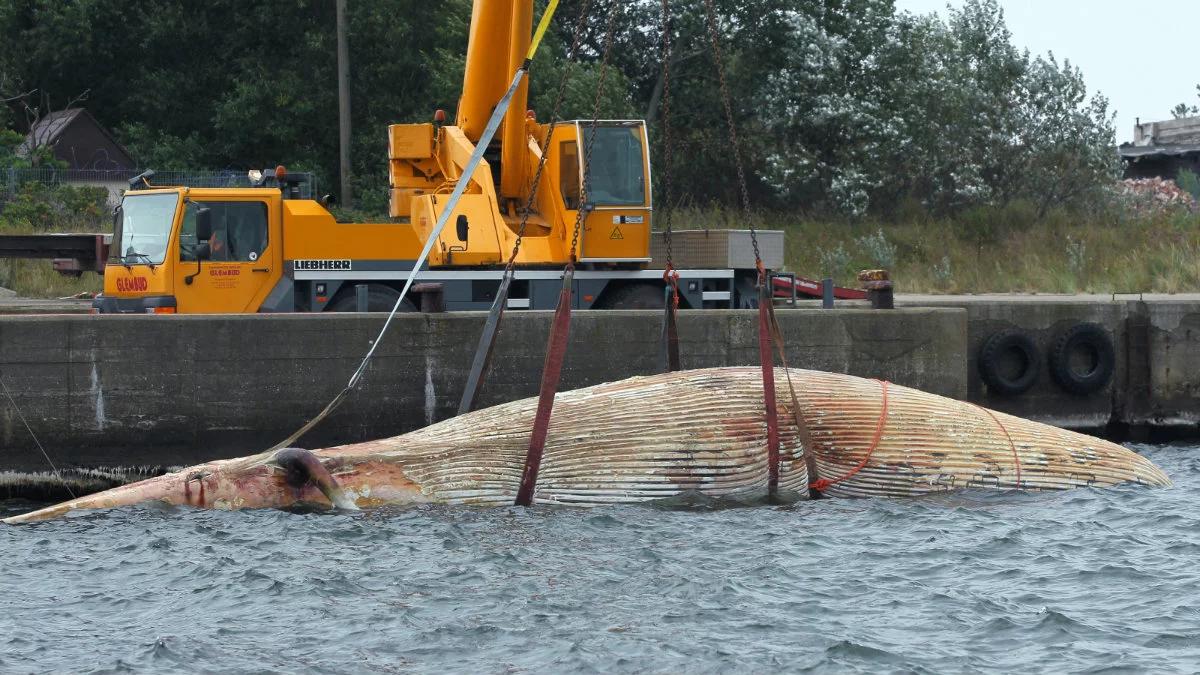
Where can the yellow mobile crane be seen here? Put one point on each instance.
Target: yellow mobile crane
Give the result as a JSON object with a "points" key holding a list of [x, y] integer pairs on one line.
{"points": [[272, 248]]}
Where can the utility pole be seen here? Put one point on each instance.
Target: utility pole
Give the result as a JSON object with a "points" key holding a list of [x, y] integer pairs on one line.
{"points": [[343, 68]]}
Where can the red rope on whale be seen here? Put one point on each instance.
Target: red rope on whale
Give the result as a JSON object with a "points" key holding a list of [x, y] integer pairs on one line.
{"points": [[825, 483], [1016, 457]]}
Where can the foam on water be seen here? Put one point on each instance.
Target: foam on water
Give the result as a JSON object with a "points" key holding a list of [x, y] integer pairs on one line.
{"points": [[1089, 580]]}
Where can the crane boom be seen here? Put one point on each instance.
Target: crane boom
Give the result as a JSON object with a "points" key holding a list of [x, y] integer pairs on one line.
{"points": [[498, 27]]}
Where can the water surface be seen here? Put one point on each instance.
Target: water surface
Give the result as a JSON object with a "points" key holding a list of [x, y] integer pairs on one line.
{"points": [[1096, 580]]}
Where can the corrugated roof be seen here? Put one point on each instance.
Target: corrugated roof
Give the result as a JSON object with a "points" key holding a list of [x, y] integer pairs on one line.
{"points": [[48, 129], [1173, 150]]}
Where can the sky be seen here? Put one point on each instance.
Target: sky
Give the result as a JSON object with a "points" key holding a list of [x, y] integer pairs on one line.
{"points": [[1141, 55]]}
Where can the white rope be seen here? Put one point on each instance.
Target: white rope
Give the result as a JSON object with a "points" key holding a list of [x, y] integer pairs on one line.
{"points": [[35, 438], [463, 181]]}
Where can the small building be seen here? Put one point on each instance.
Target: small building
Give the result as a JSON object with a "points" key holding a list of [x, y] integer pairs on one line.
{"points": [[1163, 149], [79, 140], [93, 156]]}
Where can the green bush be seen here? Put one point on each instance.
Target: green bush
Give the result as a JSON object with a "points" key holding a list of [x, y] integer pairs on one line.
{"points": [[879, 251], [37, 207], [1189, 182]]}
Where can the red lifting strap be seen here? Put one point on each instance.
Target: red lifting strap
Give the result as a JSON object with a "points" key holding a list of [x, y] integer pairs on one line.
{"points": [[670, 328], [555, 355], [766, 357]]}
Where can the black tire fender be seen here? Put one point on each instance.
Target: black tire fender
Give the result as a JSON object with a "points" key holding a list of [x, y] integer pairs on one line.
{"points": [[1004, 344], [1088, 337]]}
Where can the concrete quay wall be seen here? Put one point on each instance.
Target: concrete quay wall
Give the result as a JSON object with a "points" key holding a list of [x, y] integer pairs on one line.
{"points": [[1164, 388], [1155, 390], [108, 391]]}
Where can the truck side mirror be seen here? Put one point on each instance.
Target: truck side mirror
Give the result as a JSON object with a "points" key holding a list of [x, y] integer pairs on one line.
{"points": [[204, 230], [462, 226], [118, 217], [202, 252]]}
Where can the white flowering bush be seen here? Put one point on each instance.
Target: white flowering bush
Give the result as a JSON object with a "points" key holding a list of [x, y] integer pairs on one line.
{"points": [[853, 108], [878, 250]]}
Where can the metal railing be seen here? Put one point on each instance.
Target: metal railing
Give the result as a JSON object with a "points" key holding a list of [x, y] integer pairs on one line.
{"points": [[12, 179]]}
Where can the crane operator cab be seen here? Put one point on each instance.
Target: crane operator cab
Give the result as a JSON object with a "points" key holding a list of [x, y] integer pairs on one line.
{"points": [[615, 232], [616, 170], [618, 192]]}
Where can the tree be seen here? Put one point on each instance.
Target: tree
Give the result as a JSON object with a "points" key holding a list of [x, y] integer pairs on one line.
{"points": [[841, 106], [871, 108], [1184, 110]]}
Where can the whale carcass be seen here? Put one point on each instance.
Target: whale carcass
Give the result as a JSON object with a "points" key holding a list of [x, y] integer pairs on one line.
{"points": [[653, 437]]}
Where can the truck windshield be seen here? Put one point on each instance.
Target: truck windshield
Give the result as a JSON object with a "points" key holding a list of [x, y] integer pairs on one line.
{"points": [[146, 222], [615, 166]]}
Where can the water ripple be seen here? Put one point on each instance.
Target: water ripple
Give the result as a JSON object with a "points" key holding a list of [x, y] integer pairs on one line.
{"points": [[1088, 581]]}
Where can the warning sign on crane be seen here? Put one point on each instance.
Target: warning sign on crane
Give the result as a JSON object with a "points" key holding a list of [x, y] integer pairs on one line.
{"points": [[616, 233]]}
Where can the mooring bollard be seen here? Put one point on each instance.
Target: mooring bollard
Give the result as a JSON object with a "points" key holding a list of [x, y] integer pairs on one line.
{"points": [[827, 293], [879, 288], [433, 297]]}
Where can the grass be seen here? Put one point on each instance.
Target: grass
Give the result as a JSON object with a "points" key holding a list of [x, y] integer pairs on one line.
{"points": [[1058, 254], [1008, 250], [38, 209], [37, 279]]}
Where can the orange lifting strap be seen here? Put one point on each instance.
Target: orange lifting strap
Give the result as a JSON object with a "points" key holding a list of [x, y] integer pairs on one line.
{"points": [[802, 435], [1007, 437], [822, 484]]}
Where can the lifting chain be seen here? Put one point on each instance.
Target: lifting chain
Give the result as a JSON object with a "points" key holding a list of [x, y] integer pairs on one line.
{"points": [[670, 275], [769, 333], [481, 362], [584, 207], [576, 40], [666, 122], [719, 58], [556, 349]]}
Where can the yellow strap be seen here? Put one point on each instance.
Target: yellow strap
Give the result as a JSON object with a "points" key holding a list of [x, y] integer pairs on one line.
{"points": [[541, 29]]}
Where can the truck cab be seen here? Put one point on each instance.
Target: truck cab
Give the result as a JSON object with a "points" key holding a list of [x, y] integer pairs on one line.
{"points": [[232, 250], [158, 264]]}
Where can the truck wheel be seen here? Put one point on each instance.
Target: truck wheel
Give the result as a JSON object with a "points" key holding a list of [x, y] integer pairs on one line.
{"points": [[379, 299], [633, 296]]}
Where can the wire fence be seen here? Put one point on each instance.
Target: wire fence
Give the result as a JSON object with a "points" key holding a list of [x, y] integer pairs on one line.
{"points": [[12, 180]]}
